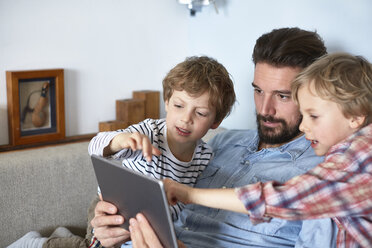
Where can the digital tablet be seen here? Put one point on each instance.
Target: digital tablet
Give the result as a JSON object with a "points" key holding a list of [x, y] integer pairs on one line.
{"points": [[132, 192]]}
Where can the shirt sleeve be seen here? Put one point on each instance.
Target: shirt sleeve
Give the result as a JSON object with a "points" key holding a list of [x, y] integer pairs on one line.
{"points": [[326, 191], [100, 141], [103, 139]]}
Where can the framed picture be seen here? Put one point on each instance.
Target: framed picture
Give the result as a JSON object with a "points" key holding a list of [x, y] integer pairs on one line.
{"points": [[36, 110]]}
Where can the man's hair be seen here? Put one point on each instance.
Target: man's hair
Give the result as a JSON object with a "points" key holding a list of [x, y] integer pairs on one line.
{"points": [[291, 47], [197, 75], [342, 78]]}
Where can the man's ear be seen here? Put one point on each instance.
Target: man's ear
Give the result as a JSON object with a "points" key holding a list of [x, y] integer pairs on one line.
{"points": [[356, 122], [215, 125]]}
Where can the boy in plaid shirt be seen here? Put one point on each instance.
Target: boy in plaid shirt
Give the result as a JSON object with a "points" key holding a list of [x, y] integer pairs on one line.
{"points": [[335, 98]]}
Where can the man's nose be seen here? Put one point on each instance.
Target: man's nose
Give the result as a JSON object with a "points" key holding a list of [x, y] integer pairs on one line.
{"points": [[267, 106]]}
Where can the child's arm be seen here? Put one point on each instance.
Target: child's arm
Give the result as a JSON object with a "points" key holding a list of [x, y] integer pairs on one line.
{"points": [[134, 141], [215, 198]]}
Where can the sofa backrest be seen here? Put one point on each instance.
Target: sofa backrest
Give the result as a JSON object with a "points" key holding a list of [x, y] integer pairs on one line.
{"points": [[43, 188]]}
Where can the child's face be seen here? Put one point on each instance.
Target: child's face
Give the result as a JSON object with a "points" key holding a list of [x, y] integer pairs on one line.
{"points": [[323, 122], [188, 118]]}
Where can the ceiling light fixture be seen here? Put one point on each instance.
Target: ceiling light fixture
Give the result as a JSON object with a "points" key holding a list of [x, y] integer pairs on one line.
{"points": [[196, 5]]}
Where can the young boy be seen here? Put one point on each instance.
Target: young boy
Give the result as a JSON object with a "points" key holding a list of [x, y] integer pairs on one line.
{"points": [[335, 98], [198, 94]]}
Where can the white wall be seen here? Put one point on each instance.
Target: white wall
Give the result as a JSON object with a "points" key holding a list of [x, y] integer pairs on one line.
{"points": [[109, 48]]}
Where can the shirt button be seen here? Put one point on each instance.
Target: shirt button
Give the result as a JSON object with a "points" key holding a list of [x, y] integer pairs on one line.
{"points": [[224, 187], [186, 228], [247, 162]]}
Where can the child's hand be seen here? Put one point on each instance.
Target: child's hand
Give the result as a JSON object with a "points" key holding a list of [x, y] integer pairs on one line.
{"points": [[136, 141], [177, 192]]}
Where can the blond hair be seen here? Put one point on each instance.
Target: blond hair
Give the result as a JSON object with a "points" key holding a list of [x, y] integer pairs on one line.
{"points": [[341, 78], [197, 75]]}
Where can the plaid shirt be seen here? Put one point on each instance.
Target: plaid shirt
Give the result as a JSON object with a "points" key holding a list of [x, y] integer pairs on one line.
{"points": [[339, 188]]}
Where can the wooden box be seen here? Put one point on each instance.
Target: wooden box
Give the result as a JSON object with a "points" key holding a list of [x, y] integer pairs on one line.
{"points": [[131, 111], [112, 125], [152, 102]]}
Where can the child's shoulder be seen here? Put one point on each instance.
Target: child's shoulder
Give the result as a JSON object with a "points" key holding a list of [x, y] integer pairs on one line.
{"points": [[203, 147], [362, 140], [362, 137], [155, 127], [354, 149], [153, 124]]}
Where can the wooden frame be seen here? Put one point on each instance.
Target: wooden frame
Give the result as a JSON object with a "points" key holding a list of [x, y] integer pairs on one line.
{"points": [[36, 111]]}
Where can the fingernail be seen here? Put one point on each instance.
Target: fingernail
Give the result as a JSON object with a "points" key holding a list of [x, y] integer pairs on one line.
{"points": [[132, 222], [139, 217], [119, 220]]}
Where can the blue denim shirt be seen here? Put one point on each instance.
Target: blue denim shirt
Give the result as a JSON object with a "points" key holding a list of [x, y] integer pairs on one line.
{"points": [[236, 163]]}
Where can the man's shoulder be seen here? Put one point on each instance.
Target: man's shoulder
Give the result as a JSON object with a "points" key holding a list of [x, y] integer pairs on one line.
{"points": [[233, 137], [242, 133]]}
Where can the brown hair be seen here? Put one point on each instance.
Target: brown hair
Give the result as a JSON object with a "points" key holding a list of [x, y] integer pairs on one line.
{"points": [[341, 78], [291, 47], [196, 75]]}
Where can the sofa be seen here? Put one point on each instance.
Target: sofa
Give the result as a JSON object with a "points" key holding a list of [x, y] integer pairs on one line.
{"points": [[43, 188], [47, 187]]}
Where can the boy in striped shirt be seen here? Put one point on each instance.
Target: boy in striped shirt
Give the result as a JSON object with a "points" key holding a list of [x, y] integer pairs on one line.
{"points": [[198, 94], [335, 98]]}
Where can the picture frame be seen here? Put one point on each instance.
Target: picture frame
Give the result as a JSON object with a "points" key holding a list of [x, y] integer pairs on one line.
{"points": [[36, 110]]}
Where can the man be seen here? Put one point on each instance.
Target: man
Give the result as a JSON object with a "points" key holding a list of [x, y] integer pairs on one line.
{"points": [[276, 151]]}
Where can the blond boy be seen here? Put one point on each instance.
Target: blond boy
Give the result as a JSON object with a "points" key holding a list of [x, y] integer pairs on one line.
{"points": [[335, 98]]}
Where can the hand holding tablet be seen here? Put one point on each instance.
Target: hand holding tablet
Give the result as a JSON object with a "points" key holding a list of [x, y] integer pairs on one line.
{"points": [[133, 193]]}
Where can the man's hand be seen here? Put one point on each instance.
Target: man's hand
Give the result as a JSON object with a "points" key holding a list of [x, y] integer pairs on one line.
{"points": [[177, 192], [133, 141], [143, 235], [105, 224]]}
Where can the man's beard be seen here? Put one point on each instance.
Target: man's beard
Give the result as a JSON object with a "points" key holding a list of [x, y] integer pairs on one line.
{"points": [[279, 134]]}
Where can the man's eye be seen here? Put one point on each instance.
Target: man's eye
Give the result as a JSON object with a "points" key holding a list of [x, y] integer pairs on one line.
{"points": [[313, 117], [177, 106], [201, 114], [259, 91], [284, 97]]}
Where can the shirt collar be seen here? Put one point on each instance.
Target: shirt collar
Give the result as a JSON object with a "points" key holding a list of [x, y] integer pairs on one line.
{"points": [[294, 148], [364, 132], [250, 142]]}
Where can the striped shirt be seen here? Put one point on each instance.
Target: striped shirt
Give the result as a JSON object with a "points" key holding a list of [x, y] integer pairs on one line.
{"points": [[339, 188], [164, 166]]}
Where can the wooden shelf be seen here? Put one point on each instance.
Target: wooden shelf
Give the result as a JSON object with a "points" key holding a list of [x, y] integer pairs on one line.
{"points": [[71, 139]]}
